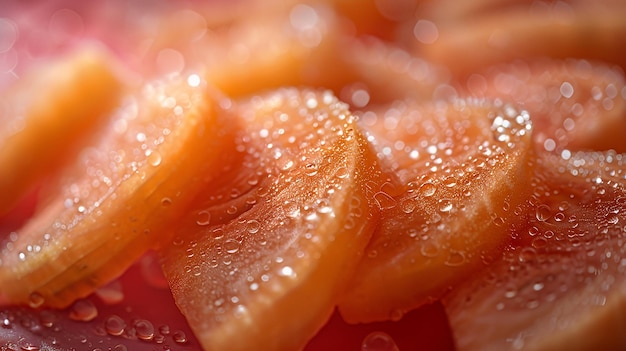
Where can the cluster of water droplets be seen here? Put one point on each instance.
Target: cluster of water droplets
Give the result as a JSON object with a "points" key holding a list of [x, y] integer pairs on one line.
{"points": [[567, 257], [446, 159], [566, 99], [81, 326], [294, 143], [131, 149]]}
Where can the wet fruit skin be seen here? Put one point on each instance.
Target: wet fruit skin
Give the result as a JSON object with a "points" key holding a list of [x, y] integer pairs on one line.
{"points": [[121, 194], [275, 271]]}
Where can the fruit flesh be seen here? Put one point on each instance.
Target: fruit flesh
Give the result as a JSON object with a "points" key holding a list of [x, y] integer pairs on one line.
{"points": [[575, 104], [120, 193], [290, 251], [456, 57], [457, 178], [45, 120], [526, 32], [560, 275]]}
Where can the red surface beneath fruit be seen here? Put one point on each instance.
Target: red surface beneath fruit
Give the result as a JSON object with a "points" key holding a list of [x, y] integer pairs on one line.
{"points": [[147, 299]]}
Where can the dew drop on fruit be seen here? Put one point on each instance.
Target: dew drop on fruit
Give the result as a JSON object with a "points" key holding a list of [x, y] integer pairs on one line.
{"points": [[35, 300], [445, 205], [204, 218], [543, 213], [154, 159], [427, 189], [407, 206], [455, 258], [429, 249], [83, 310], [253, 226], [384, 200], [379, 341], [166, 202]]}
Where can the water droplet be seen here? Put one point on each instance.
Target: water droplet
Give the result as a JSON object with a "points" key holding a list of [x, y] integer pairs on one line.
{"points": [[204, 218], [115, 325], [5, 322], [35, 300], [427, 189], [179, 337], [429, 249], [384, 200], [154, 159], [407, 205], [342, 173], [164, 329], [231, 246], [253, 226], [445, 205], [83, 310], [46, 318], [27, 345], [543, 213], [166, 202], [379, 341], [144, 329], [455, 259], [311, 169], [449, 182], [287, 272]]}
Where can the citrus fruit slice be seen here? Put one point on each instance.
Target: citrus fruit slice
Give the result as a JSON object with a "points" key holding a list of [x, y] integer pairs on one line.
{"points": [[118, 197], [575, 104], [523, 32], [45, 118], [457, 175], [263, 267], [560, 284]]}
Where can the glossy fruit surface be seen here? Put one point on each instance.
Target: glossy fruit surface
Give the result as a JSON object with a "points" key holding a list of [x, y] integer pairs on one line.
{"points": [[45, 119], [457, 173], [575, 104], [522, 244], [558, 283], [269, 258], [109, 207]]}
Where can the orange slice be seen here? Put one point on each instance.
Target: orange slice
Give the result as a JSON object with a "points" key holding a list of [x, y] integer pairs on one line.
{"points": [[262, 266], [560, 284], [45, 119], [575, 104], [457, 175], [119, 197]]}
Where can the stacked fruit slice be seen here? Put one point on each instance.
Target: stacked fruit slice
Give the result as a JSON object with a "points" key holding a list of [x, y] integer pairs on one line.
{"points": [[269, 257], [100, 214], [269, 208]]}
